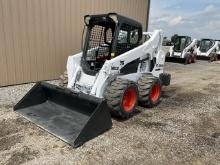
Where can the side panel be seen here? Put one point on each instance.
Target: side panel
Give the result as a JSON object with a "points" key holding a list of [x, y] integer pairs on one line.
{"points": [[131, 67]]}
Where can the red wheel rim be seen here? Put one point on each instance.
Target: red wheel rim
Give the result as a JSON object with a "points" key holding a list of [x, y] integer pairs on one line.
{"points": [[155, 93], [129, 99]]}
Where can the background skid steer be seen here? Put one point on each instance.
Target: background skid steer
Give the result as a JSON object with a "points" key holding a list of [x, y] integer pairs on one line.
{"points": [[218, 49], [183, 50], [207, 50], [115, 71]]}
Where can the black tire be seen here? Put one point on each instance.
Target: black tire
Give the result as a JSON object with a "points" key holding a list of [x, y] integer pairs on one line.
{"points": [[189, 59], [213, 57], [146, 85], [194, 58], [165, 79], [115, 94]]}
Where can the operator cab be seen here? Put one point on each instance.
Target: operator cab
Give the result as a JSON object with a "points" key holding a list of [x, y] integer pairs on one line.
{"points": [[206, 44], [181, 42], [108, 36]]}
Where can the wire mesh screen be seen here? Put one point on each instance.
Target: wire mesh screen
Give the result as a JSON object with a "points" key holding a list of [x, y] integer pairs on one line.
{"points": [[99, 43], [128, 38]]}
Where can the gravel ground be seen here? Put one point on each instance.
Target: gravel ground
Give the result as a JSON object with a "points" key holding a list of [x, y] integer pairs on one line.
{"points": [[183, 129]]}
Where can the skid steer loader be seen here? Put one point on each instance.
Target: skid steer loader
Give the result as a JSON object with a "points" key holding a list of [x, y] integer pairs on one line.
{"points": [[115, 71], [218, 50], [207, 50], [183, 50]]}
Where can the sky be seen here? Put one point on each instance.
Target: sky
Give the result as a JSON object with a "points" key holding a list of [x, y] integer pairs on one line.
{"points": [[195, 18]]}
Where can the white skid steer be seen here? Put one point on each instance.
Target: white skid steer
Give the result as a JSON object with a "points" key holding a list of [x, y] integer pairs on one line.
{"points": [[207, 50], [183, 50], [218, 50], [115, 71]]}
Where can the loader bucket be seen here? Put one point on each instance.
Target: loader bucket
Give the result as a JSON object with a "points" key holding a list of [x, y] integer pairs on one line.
{"points": [[73, 117], [208, 58], [205, 58], [176, 60]]}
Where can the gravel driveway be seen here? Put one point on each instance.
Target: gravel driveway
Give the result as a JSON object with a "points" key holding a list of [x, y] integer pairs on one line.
{"points": [[183, 129]]}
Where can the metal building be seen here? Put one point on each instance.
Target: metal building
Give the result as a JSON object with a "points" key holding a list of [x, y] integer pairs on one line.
{"points": [[37, 36]]}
